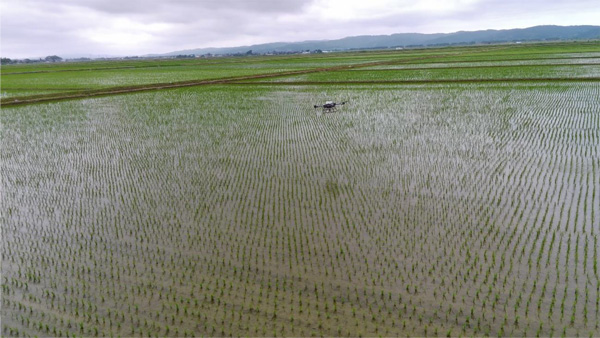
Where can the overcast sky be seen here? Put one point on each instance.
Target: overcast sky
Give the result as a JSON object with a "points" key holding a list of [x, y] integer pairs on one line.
{"points": [[37, 28]]}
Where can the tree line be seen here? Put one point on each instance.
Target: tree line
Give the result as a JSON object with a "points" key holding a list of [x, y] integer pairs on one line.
{"points": [[50, 58]]}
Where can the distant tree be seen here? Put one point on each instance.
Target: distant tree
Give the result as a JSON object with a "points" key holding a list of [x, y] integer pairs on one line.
{"points": [[53, 58], [5, 61], [249, 52]]}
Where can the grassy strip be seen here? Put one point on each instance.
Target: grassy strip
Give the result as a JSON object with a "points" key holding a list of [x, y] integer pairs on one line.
{"points": [[472, 67], [79, 70], [440, 81], [500, 59]]}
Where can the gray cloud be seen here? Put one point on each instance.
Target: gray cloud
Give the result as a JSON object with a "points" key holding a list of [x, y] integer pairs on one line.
{"points": [[154, 6], [33, 28]]}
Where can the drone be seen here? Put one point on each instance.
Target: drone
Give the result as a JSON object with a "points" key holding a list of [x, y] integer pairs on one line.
{"points": [[329, 106]]}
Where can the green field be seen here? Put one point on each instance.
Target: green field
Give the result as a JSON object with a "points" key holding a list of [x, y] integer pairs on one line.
{"points": [[456, 193]]}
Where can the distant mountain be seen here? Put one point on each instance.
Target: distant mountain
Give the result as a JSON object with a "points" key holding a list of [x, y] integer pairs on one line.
{"points": [[537, 33]]}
